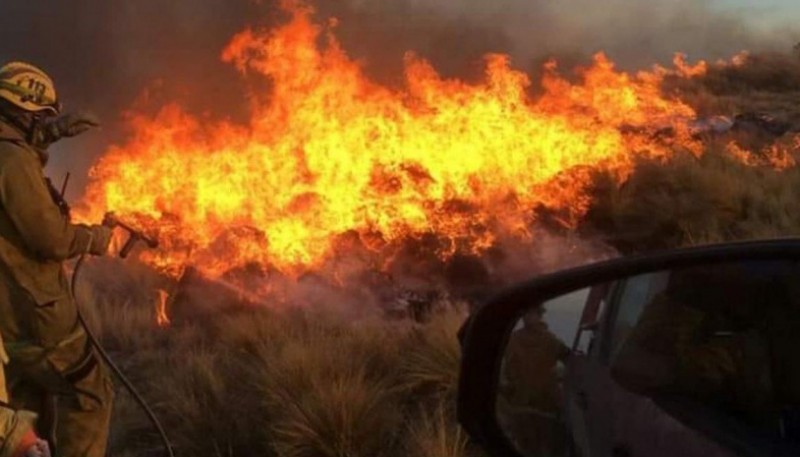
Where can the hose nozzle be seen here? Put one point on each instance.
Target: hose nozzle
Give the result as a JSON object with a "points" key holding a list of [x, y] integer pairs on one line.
{"points": [[110, 220]]}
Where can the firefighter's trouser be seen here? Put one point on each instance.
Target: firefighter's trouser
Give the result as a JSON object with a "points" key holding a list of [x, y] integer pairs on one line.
{"points": [[50, 357]]}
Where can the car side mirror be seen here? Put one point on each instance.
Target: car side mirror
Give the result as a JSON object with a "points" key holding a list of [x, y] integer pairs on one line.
{"points": [[698, 344]]}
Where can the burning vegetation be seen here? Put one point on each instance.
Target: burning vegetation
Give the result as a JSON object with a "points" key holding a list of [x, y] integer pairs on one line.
{"points": [[329, 154], [337, 179]]}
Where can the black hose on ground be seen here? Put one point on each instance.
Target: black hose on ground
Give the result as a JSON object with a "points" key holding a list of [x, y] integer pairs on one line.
{"points": [[115, 369]]}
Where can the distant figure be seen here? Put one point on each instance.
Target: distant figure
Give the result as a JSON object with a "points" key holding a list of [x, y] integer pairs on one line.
{"points": [[531, 394]]}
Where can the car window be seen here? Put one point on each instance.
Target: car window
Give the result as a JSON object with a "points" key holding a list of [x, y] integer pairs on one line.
{"points": [[715, 347], [629, 300]]}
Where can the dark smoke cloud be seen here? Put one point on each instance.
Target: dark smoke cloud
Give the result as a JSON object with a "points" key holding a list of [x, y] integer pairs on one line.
{"points": [[104, 53]]}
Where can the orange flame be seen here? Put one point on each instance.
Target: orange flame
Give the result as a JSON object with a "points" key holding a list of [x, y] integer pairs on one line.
{"points": [[329, 152], [162, 318], [778, 155]]}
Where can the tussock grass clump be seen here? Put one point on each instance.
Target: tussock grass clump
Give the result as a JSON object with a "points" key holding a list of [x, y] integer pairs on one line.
{"points": [[435, 434], [327, 389], [430, 361], [345, 415]]}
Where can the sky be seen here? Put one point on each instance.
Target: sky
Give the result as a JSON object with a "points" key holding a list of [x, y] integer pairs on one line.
{"points": [[768, 10]]}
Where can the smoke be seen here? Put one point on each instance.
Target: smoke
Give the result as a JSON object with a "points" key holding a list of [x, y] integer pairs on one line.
{"points": [[407, 281], [454, 34], [104, 54]]}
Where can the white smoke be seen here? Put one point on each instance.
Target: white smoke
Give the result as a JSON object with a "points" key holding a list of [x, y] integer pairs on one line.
{"points": [[634, 32]]}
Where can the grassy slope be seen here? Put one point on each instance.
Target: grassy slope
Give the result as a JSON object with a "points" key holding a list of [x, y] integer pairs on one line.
{"points": [[767, 82], [295, 384], [305, 384]]}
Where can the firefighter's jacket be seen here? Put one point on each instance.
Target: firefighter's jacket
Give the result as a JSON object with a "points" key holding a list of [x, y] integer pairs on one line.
{"points": [[40, 325], [34, 236]]}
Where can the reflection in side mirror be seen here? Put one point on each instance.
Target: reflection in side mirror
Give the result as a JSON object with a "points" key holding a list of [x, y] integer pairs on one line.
{"points": [[530, 397], [696, 358]]}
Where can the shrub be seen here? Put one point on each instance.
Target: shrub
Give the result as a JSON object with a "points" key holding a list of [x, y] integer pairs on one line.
{"points": [[689, 201]]}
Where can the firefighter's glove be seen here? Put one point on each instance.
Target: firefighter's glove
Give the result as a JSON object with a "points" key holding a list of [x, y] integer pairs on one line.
{"points": [[66, 126], [31, 445], [101, 238], [40, 449]]}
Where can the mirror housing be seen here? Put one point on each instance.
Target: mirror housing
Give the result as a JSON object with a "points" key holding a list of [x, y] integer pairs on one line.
{"points": [[486, 333]]}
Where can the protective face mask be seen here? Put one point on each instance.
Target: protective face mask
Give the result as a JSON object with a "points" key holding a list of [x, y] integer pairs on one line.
{"points": [[40, 132]]}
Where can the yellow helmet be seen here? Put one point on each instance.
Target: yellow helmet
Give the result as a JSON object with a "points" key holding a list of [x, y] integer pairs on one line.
{"points": [[28, 87]]}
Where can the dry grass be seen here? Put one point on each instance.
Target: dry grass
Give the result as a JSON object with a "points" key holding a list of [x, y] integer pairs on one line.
{"points": [[289, 384], [328, 389], [690, 201], [435, 434], [347, 414], [430, 360]]}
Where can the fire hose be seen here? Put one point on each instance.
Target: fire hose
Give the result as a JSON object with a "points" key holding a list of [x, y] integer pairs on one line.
{"points": [[134, 236]]}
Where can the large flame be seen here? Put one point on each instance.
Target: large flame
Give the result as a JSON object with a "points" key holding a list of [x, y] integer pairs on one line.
{"points": [[328, 152]]}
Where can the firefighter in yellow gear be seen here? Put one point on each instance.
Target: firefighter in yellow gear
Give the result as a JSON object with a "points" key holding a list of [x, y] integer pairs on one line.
{"points": [[48, 351], [532, 355], [530, 399]]}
